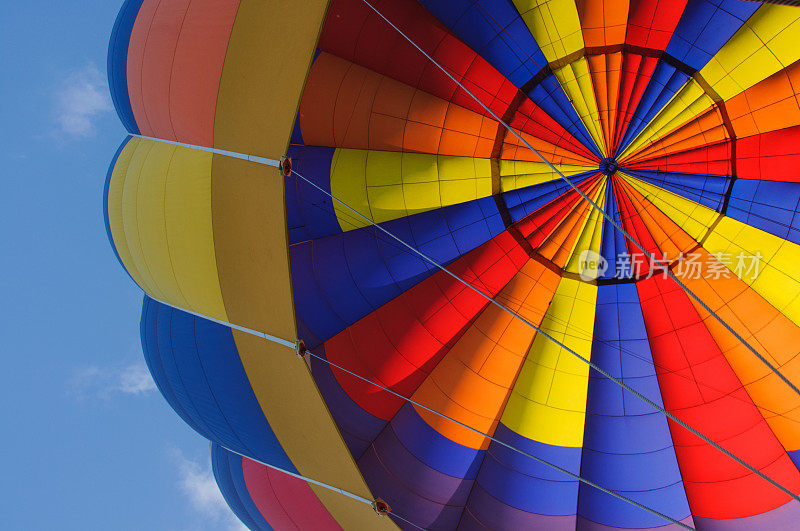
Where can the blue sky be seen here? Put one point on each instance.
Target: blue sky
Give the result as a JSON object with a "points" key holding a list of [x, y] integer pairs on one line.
{"points": [[88, 442]]}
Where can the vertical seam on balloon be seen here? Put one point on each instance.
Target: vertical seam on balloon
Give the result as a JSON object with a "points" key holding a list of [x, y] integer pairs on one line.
{"points": [[141, 67], [144, 271], [166, 230], [172, 69]]}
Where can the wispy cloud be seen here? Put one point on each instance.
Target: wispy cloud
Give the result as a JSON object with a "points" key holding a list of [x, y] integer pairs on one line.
{"points": [[80, 99], [104, 382], [196, 482]]}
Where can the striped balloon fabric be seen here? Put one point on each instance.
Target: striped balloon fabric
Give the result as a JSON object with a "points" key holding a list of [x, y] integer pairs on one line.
{"points": [[470, 264]]}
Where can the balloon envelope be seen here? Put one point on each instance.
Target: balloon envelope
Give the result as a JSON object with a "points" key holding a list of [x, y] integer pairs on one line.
{"points": [[679, 120]]}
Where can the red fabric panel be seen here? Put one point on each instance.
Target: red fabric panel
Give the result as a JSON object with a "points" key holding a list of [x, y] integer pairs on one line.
{"points": [[136, 49], [401, 342], [197, 69], [685, 356], [711, 160], [285, 502], [175, 58], [651, 22], [158, 44], [774, 156]]}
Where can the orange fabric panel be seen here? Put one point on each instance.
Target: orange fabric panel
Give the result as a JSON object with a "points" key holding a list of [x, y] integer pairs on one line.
{"points": [[767, 330], [472, 382], [767, 106], [606, 71], [603, 22], [345, 105], [513, 149], [708, 128], [197, 69]]}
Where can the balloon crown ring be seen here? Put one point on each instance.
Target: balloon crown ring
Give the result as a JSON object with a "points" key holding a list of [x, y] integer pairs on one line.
{"points": [[608, 166]]}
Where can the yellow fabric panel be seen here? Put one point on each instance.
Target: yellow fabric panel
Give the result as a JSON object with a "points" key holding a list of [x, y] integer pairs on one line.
{"points": [[386, 185], [694, 218], [777, 280], [264, 74], [152, 222], [548, 402], [249, 217], [516, 174], [190, 235], [116, 188], [165, 236], [688, 103], [554, 24], [765, 44], [591, 234], [297, 414], [252, 253], [576, 80], [131, 179]]}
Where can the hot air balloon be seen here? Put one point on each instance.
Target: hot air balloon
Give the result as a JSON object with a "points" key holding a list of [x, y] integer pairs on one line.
{"points": [[470, 264]]}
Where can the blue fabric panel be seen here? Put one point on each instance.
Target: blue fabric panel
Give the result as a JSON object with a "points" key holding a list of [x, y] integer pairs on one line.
{"points": [[517, 480], [229, 476], [432, 448], [196, 366], [551, 98], [525, 201], [339, 279], [494, 29], [117, 63], [405, 500], [612, 243], [795, 457], [708, 190], [412, 472], [665, 82], [627, 444], [148, 329], [189, 372], [309, 212], [705, 26], [771, 206], [183, 405], [105, 204], [398, 465], [607, 508], [357, 426]]}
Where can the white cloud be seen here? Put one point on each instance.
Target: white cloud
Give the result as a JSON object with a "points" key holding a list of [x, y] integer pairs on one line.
{"points": [[196, 482], [80, 100], [104, 382], [135, 379]]}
